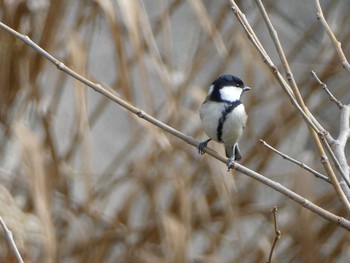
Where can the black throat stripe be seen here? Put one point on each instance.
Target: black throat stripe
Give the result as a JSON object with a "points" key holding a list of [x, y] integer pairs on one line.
{"points": [[229, 107]]}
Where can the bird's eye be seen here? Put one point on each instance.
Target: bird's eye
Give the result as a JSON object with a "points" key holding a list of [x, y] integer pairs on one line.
{"points": [[237, 85]]}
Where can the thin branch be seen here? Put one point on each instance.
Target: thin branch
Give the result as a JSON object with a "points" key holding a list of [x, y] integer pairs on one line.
{"points": [[283, 58], [289, 75], [278, 233], [294, 196], [324, 87], [302, 165], [265, 57], [335, 158], [344, 131], [336, 43], [328, 140], [294, 94], [337, 148], [188, 139], [11, 241]]}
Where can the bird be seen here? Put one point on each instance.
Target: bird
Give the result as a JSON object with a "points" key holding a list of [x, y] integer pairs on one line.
{"points": [[223, 116]]}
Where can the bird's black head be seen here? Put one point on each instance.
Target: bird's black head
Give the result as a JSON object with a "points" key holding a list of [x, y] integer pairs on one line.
{"points": [[227, 88]]}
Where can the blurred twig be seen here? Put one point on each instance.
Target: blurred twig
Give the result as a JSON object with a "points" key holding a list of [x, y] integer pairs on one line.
{"points": [[278, 233], [208, 25], [11, 241]]}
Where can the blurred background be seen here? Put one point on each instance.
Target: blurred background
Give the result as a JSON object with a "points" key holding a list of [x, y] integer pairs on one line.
{"points": [[83, 180]]}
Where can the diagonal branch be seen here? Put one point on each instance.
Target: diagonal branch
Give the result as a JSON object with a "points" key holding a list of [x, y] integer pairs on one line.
{"points": [[11, 241], [336, 43], [265, 57], [302, 165], [324, 87]]}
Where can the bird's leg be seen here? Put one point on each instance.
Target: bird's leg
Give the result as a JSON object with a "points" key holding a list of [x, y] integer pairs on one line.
{"points": [[237, 152], [202, 145], [236, 156]]}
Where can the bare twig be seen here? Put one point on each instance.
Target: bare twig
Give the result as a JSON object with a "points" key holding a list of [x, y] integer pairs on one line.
{"points": [[344, 175], [292, 195], [188, 139], [293, 94], [256, 42], [278, 233], [11, 241], [328, 140], [324, 87], [302, 165], [336, 43], [289, 75], [336, 147]]}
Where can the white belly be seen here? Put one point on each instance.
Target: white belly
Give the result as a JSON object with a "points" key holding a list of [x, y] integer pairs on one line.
{"points": [[211, 112]]}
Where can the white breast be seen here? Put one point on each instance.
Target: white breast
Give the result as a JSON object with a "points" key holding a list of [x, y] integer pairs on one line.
{"points": [[234, 125], [210, 113]]}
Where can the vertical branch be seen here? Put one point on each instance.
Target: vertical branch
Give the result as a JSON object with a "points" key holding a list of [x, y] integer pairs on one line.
{"points": [[278, 233], [339, 145]]}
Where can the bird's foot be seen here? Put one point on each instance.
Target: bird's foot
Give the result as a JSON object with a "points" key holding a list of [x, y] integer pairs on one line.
{"points": [[230, 162], [202, 145]]}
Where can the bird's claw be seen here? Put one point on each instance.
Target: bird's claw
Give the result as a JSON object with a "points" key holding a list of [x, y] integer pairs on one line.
{"points": [[202, 145], [230, 163]]}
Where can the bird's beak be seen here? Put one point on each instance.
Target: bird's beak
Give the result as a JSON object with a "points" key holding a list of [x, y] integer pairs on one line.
{"points": [[246, 88]]}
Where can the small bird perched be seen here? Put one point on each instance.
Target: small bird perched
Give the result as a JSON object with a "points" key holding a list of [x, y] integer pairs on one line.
{"points": [[223, 115]]}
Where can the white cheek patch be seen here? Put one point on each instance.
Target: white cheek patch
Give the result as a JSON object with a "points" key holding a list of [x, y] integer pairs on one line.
{"points": [[231, 93], [211, 89]]}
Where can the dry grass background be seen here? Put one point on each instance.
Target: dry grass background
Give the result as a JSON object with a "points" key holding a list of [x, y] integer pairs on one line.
{"points": [[82, 180]]}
